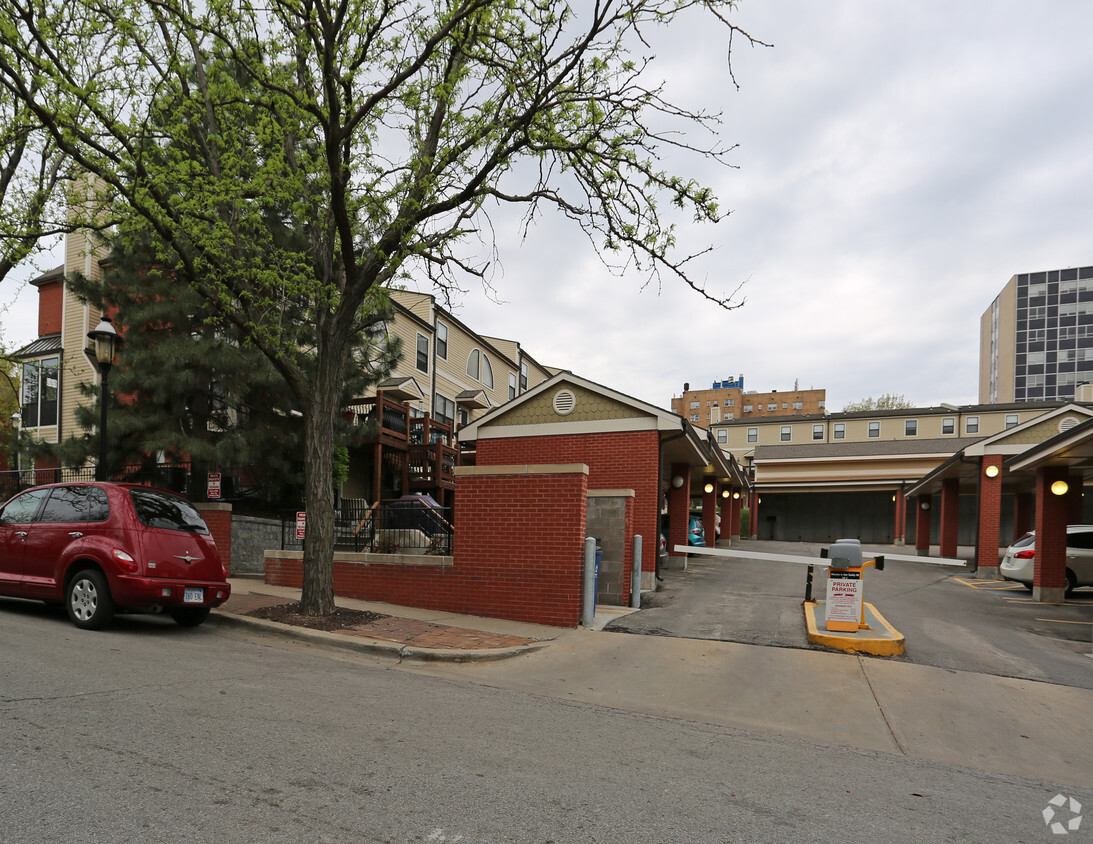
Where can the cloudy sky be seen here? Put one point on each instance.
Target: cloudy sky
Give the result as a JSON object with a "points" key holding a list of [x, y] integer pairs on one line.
{"points": [[897, 164]]}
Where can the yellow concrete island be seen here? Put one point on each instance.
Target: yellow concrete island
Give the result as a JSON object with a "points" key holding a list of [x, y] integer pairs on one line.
{"points": [[850, 624]]}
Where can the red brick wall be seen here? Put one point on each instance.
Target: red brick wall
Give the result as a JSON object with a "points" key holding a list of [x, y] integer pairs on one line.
{"points": [[623, 460], [519, 545], [950, 515], [219, 519], [990, 513], [1049, 571], [922, 522]]}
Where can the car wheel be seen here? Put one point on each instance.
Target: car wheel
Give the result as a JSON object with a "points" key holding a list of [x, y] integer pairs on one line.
{"points": [[88, 600], [1071, 583], [189, 616]]}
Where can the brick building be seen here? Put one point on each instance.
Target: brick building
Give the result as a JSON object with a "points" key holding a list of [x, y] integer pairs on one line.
{"points": [[728, 399]]}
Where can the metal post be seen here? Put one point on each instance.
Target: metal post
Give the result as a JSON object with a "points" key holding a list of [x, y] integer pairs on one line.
{"points": [[635, 574], [100, 469], [588, 604]]}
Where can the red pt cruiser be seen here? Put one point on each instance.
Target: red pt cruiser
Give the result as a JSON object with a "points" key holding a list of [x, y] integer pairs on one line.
{"points": [[104, 547]]}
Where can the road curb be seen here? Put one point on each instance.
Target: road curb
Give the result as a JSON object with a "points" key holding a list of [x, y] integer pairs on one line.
{"points": [[890, 643], [375, 647]]}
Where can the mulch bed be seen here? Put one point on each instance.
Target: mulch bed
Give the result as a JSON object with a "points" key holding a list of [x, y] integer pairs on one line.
{"points": [[340, 619]]}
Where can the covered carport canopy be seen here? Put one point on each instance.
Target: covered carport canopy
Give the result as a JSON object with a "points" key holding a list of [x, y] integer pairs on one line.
{"points": [[1057, 469], [1072, 449]]}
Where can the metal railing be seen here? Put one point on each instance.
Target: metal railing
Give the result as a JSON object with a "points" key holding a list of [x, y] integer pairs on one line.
{"points": [[394, 527], [236, 483]]}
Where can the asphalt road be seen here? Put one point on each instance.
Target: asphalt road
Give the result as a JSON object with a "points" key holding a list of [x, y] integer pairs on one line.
{"points": [[150, 732], [950, 619]]}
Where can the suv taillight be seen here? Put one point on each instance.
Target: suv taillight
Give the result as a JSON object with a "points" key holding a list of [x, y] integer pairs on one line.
{"points": [[1024, 555], [126, 561]]}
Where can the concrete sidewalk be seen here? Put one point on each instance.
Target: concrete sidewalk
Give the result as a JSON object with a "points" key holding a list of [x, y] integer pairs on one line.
{"points": [[405, 632]]}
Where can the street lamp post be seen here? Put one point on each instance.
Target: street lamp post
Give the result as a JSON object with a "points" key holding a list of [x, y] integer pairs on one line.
{"points": [[17, 427], [107, 343]]}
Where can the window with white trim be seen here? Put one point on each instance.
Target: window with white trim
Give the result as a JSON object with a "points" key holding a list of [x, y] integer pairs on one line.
{"points": [[1012, 420], [722, 436], [512, 386], [487, 372], [817, 432], [786, 434], [441, 340], [753, 435], [443, 409], [910, 428], [473, 365], [840, 431], [971, 425], [874, 430], [422, 353], [948, 425], [41, 379]]}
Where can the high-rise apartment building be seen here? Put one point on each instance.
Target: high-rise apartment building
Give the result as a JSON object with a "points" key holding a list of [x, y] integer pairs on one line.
{"points": [[725, 400], [1036, 338]]}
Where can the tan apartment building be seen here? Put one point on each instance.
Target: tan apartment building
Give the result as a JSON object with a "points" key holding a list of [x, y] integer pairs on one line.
{"points": [[726, 400], [448, 375], [55, 364], [460, 373], [1036, 338], [827, 476]]}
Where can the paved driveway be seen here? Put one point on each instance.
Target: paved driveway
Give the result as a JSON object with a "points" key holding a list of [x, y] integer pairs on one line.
{"points": [[950, 619]]}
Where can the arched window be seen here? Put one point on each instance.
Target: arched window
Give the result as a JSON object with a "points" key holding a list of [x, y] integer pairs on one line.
{"points": [[472, 365], [487, 372]]}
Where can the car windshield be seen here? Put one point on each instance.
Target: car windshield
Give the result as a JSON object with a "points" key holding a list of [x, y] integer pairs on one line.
{"points": [[158, 509]]}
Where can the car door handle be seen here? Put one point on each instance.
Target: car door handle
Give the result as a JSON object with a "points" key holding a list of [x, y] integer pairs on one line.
{"points": [[75, 534], [20, 533]]}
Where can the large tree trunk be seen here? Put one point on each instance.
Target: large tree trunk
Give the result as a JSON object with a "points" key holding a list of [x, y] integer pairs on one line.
{"points": [[319, 414]]}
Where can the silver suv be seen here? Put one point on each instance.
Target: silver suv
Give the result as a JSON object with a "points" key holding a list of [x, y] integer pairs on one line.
{"points": [[1020, 558]]}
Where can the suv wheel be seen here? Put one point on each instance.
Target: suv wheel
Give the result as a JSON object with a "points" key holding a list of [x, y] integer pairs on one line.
{"points": [[189, 616], [1071, 583], [88, 600]]}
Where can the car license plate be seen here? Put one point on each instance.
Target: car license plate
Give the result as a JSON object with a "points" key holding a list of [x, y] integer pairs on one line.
{"points": [[193, 595]]}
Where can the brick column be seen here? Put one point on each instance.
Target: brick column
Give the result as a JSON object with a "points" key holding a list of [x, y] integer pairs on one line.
{"points": [[950, 513], [709, 510], [1049, 578], [900, 530], [922, 525], [737, 505], [990, 517], [218, 516], [679, 505], [753, 516], [1024, 508]]}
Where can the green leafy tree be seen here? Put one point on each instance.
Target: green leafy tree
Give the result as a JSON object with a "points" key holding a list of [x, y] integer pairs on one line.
{"points": [[383, 134], [9, 405], [189, 389], [887, 401]]}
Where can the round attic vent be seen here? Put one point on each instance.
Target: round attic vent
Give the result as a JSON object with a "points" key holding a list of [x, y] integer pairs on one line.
{"points": [[564, 402], [1067, 423]]}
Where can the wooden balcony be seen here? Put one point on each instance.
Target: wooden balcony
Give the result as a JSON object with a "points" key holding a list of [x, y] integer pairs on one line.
{"points": [[431, 467], [391, 418]]}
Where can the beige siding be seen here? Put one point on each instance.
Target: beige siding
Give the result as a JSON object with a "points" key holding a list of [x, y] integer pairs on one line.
{"points": [[78, 319]]}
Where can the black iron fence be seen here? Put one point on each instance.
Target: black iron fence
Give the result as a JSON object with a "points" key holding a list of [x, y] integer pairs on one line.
{"points": [[196, 483], [405, 526]]}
